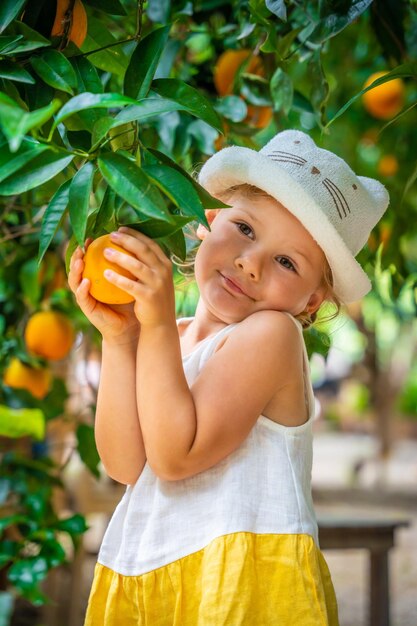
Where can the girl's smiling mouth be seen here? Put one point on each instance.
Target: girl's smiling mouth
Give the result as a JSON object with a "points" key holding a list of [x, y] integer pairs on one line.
{"points": [[234, 286]]}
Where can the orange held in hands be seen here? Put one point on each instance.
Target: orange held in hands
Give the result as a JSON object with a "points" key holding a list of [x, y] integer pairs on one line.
{"points": [[72, 25], [35, 380], [49, 334], [386, 100], [95, 263]]}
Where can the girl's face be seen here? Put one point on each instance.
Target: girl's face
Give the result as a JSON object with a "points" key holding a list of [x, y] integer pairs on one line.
{"points": [[256, 257]]}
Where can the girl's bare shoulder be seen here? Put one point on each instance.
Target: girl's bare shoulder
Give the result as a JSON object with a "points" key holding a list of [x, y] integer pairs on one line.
{"points": [[266, 330]]}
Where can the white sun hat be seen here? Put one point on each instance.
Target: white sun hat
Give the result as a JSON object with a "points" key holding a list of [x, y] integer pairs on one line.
{"points": [[337, 207]]}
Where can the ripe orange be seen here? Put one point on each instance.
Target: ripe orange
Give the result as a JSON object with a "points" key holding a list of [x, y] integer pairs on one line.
{"points": [[384, 101], [227, 66], [258, 116], [21, 376], [388, 165], [78, 21], [95, 263], [50, 335], [225, 71]]}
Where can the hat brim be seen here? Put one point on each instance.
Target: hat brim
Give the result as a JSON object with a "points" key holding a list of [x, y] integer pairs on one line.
{"points": [[237, 165]]}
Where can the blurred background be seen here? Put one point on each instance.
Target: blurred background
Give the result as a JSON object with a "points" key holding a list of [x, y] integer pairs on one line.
{"points": [[101, 99]]}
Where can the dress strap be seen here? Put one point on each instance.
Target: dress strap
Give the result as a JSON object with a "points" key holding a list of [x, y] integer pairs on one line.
{"points": [[308, 387]]}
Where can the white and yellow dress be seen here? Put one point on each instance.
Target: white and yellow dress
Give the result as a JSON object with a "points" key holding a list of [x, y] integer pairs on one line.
{"points": [[235, 545]]}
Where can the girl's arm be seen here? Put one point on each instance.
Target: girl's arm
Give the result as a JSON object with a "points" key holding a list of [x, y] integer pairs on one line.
{"points": [[117, 428], [186, 431]]}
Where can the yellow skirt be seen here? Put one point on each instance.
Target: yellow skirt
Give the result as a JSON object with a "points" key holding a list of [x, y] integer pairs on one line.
{"points": [[241, 579]]}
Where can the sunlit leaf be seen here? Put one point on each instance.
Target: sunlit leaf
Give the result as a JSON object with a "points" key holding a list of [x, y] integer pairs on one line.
{"points": [[39, 170], [55, 70], [192, 100], [8, 11], [132, 184], [22, 422], [52, 217], [79, 199], [143, 63]]}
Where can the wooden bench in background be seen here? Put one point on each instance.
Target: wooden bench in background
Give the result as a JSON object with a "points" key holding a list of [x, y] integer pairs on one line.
{"points": [[378, 537]]}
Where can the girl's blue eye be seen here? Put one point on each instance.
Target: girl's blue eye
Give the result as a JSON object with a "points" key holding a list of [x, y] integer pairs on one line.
{"points": [[282, 260], [244, 228]]}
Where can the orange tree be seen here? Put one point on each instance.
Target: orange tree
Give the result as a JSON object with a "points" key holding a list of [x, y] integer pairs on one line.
{"points": [[105, 108]]}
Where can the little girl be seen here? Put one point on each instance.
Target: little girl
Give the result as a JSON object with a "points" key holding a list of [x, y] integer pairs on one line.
{"points": [[209, 420]]}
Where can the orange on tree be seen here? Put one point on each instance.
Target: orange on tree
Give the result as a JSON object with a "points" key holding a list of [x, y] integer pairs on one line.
{"points": [[388, 165], [71, 24], [225, 72], [35, 380], [385, 232], [386, 100], [95, 263], [49, 334]]}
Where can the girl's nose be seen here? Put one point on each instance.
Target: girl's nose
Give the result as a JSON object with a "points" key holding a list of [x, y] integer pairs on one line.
{"points": [[250, 265]]}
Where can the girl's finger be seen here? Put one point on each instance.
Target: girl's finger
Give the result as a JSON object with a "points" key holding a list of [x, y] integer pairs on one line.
{"points": [[132, 264], [85, 300], [133, 287], [75, 255], [75, 274], [138, 243]]}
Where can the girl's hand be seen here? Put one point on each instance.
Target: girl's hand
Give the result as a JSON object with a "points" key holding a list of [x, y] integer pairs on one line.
{"points": [[153, 287], [115, 322]]}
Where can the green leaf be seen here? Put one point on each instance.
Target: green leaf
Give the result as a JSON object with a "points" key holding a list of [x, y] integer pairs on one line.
{"points": [[106, 211], [282, 91], [209, 202], [79, 199], [156, 229], [13, 71], [36, 503], [113, 7], [87, 450], [178, 188], [88, 80], [333, 20], [90, 101], [53, 552], [8, 11], [16, 122], [278, 8], [143, 63], [8, 43], [402, 71], [175, 243], [11, 162], [22, 422], [55, 70], [29, 282], [26, 573], [31, 39], [75, 525], [319, 87], [143, 110], [111, 60], [52, 217], [232, 107], [317, 342], [11, 520], [191, 99], [132, 184], [39, 170]]}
